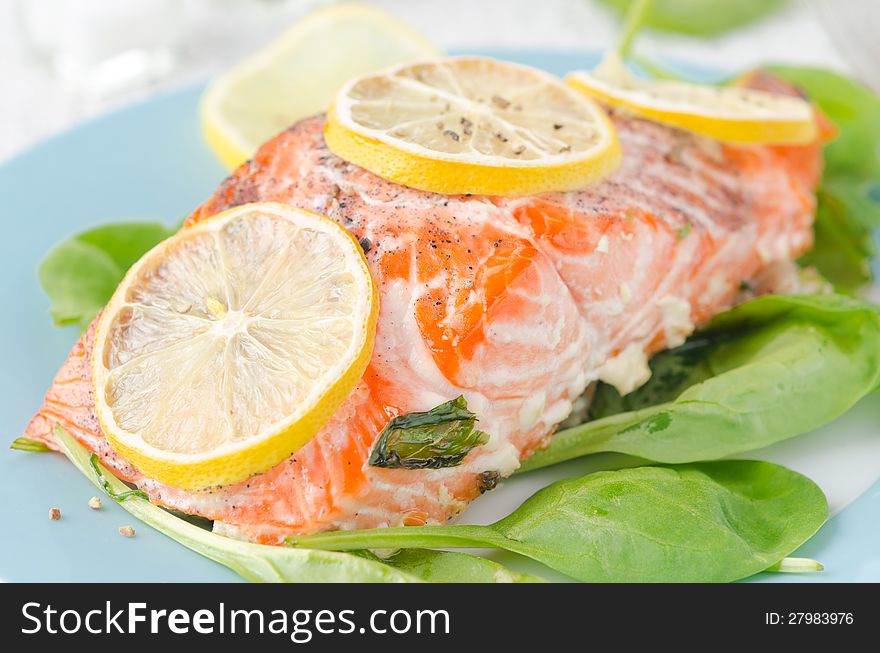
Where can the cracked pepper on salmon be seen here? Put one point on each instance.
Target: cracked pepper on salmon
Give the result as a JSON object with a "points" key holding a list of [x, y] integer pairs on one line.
{"points": [[516, 304]]}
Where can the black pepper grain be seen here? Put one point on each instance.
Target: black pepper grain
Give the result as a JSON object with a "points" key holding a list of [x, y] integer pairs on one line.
{"points": [[487, 481]]}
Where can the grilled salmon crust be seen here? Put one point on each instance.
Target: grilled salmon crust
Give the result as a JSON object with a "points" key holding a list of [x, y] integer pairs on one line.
{"points": [[518, 304]]}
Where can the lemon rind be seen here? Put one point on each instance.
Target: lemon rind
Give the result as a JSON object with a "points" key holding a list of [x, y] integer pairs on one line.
{"points": [[459, 178], [234, 462], [418, 167], [766, 130]]}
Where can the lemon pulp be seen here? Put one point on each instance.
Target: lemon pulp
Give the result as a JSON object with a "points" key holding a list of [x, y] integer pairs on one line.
{"points": [[229, 345]]}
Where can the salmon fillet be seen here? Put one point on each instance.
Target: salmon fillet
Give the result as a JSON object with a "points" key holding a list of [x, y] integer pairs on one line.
{"points": [[517, 304]]}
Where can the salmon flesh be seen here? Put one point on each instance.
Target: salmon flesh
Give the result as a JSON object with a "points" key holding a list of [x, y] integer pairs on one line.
{"points": [[516, 304]]}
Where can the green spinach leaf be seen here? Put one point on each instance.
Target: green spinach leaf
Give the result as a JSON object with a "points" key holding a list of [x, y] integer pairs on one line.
{"points": [[853, 108], [770, 369], [80, 274], [451, 567], [849, 198], [261, 563], [843, 243], [440, 437], [700, 17], [28, 444], [707, 522]]}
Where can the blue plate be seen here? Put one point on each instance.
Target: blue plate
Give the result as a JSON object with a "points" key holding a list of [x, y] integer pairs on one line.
{"points": [[148, 161]]}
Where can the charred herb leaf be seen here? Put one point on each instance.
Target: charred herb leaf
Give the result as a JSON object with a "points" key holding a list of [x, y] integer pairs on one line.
{"points": [[440, 437]]}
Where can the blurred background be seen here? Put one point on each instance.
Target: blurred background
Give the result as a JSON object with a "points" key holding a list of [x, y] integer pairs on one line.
{"points": [[62, 61]]}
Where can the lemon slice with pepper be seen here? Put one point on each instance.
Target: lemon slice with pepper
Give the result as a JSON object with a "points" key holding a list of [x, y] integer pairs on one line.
{"points": [[472, 125], [727, 113]]}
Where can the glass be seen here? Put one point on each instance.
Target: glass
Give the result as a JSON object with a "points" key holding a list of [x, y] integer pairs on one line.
{"points": [[103, 46], [102, 49]]}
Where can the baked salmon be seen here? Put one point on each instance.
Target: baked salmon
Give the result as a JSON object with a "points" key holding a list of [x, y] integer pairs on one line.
{"points": [[519, 305]]}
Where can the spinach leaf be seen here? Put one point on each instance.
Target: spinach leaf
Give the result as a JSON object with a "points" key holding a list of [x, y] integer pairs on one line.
{"points": [[254, 562], [80, 274], [257, 562], [843, 243], [451, 567], [700, 17], [28, 444], [770, 369], [853, 108], [849, 198], [708, 522], [440, 437]]}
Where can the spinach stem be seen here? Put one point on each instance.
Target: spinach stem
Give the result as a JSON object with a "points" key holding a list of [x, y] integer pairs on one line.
{"points": [[27, 444], [635, 18], [406, 537], [797, 566]]}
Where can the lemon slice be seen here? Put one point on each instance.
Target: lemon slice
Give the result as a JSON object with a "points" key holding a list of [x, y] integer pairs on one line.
{"points": [[227, 346], [733, 114], [472, 125], [296, 75]]}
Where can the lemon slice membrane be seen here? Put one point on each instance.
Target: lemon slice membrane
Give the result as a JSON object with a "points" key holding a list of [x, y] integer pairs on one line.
{"points": [[472, 125], [727, 113], [229, 345]]}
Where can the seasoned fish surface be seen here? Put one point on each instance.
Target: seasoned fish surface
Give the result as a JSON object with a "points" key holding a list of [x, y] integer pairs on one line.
{"points": [[517, 304]]}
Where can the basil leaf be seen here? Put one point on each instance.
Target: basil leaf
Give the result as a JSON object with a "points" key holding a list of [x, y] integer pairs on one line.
{"points": [[80, 274], [707, 522], [700, 17], [770, 369], [118, 497], [440, 437], [27, 444]]}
